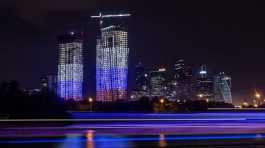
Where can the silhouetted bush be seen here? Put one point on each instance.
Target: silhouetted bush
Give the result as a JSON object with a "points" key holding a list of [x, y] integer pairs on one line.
{"points": [[18, 104]]}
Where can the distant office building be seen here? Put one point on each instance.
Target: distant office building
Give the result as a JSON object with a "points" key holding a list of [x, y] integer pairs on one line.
{"points": [[222, 88], [203, 72], [183, 81], [44, 83], [141, 78], [50, 83], [205, 85], [158, 83], [172, 90], [179, 69], [70, 66], [32, 91], [141, 83], [112, 64]]}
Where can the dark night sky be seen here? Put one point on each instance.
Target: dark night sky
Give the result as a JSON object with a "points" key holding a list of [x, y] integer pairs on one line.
{"points": [[226, 35]]}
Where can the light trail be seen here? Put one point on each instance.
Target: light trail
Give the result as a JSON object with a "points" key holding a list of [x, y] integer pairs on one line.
{"points": [[151, 126], [119, 119]]}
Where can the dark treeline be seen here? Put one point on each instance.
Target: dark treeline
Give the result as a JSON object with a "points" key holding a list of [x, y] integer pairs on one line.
{"points": [[15, 103], [147, 105]]}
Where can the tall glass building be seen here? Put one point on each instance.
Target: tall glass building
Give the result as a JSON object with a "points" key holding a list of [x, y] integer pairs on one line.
{"points": [[158, 83], [205, 85], [141, 78], [222, 88], [112, 64], [70, 67], [183, 80]]}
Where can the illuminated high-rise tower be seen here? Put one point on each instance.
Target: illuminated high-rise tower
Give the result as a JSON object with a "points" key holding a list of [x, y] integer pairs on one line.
{"points": [[158, 82], [222, 88], [70, 66], [204, 85], [183, 78], [111, 61]]}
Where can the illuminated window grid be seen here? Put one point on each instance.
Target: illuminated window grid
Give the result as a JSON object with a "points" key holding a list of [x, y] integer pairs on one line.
{"points": [[112, 65], [70, 70]]}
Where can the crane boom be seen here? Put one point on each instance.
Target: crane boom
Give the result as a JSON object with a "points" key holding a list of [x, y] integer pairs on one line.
{"points": [[101, 17], [110, 15]]}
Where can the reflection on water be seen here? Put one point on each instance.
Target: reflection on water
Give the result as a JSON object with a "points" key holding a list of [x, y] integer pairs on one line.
{"points": [[71, 141], [89, 140], [111, 141], [92, 139], [162, 141]]}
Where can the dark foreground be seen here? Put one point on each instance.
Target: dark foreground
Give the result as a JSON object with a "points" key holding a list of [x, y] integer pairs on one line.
{"points": [[91, 130]]}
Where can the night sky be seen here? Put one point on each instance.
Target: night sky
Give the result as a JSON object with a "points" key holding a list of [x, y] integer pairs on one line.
{"points": [[226, 35]]}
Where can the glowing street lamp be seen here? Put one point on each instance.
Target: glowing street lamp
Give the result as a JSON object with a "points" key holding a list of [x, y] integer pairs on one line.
{"points": [[90, 101], [257, 98], [162, 101], [200, 95], [245, 104], [257, 95]]}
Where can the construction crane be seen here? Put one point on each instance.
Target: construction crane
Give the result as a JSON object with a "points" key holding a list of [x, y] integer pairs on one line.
{"points": [[101, 17]]}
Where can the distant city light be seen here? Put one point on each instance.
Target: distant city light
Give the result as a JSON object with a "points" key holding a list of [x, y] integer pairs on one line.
{"points": [[162, 101], [132, 96], [227, 78], [203, 72], [90, 99], [245, 104], [162, 69], [200, 95], [257, 95]]}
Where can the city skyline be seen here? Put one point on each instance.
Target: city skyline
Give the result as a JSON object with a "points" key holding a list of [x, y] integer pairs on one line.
{"points": [[128, 73], [194, 34]]}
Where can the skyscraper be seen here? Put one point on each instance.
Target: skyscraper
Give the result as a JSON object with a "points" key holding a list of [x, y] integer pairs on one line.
{"points": [[204, 85], [141, 78], [112, 64], [158, 83], [141, 83], [222, 88], [49, 82], [183, 86], [70, 66]]}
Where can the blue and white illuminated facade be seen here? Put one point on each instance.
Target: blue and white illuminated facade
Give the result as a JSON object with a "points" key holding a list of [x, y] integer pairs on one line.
{"points": [[112, 64], [70, 67]]}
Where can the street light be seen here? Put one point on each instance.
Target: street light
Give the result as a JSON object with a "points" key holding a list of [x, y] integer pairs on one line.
{"points": [[162, 101], [258, 98], [90, 100], [256, 105], [245, 104], [200, 96], [257, 95]]}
